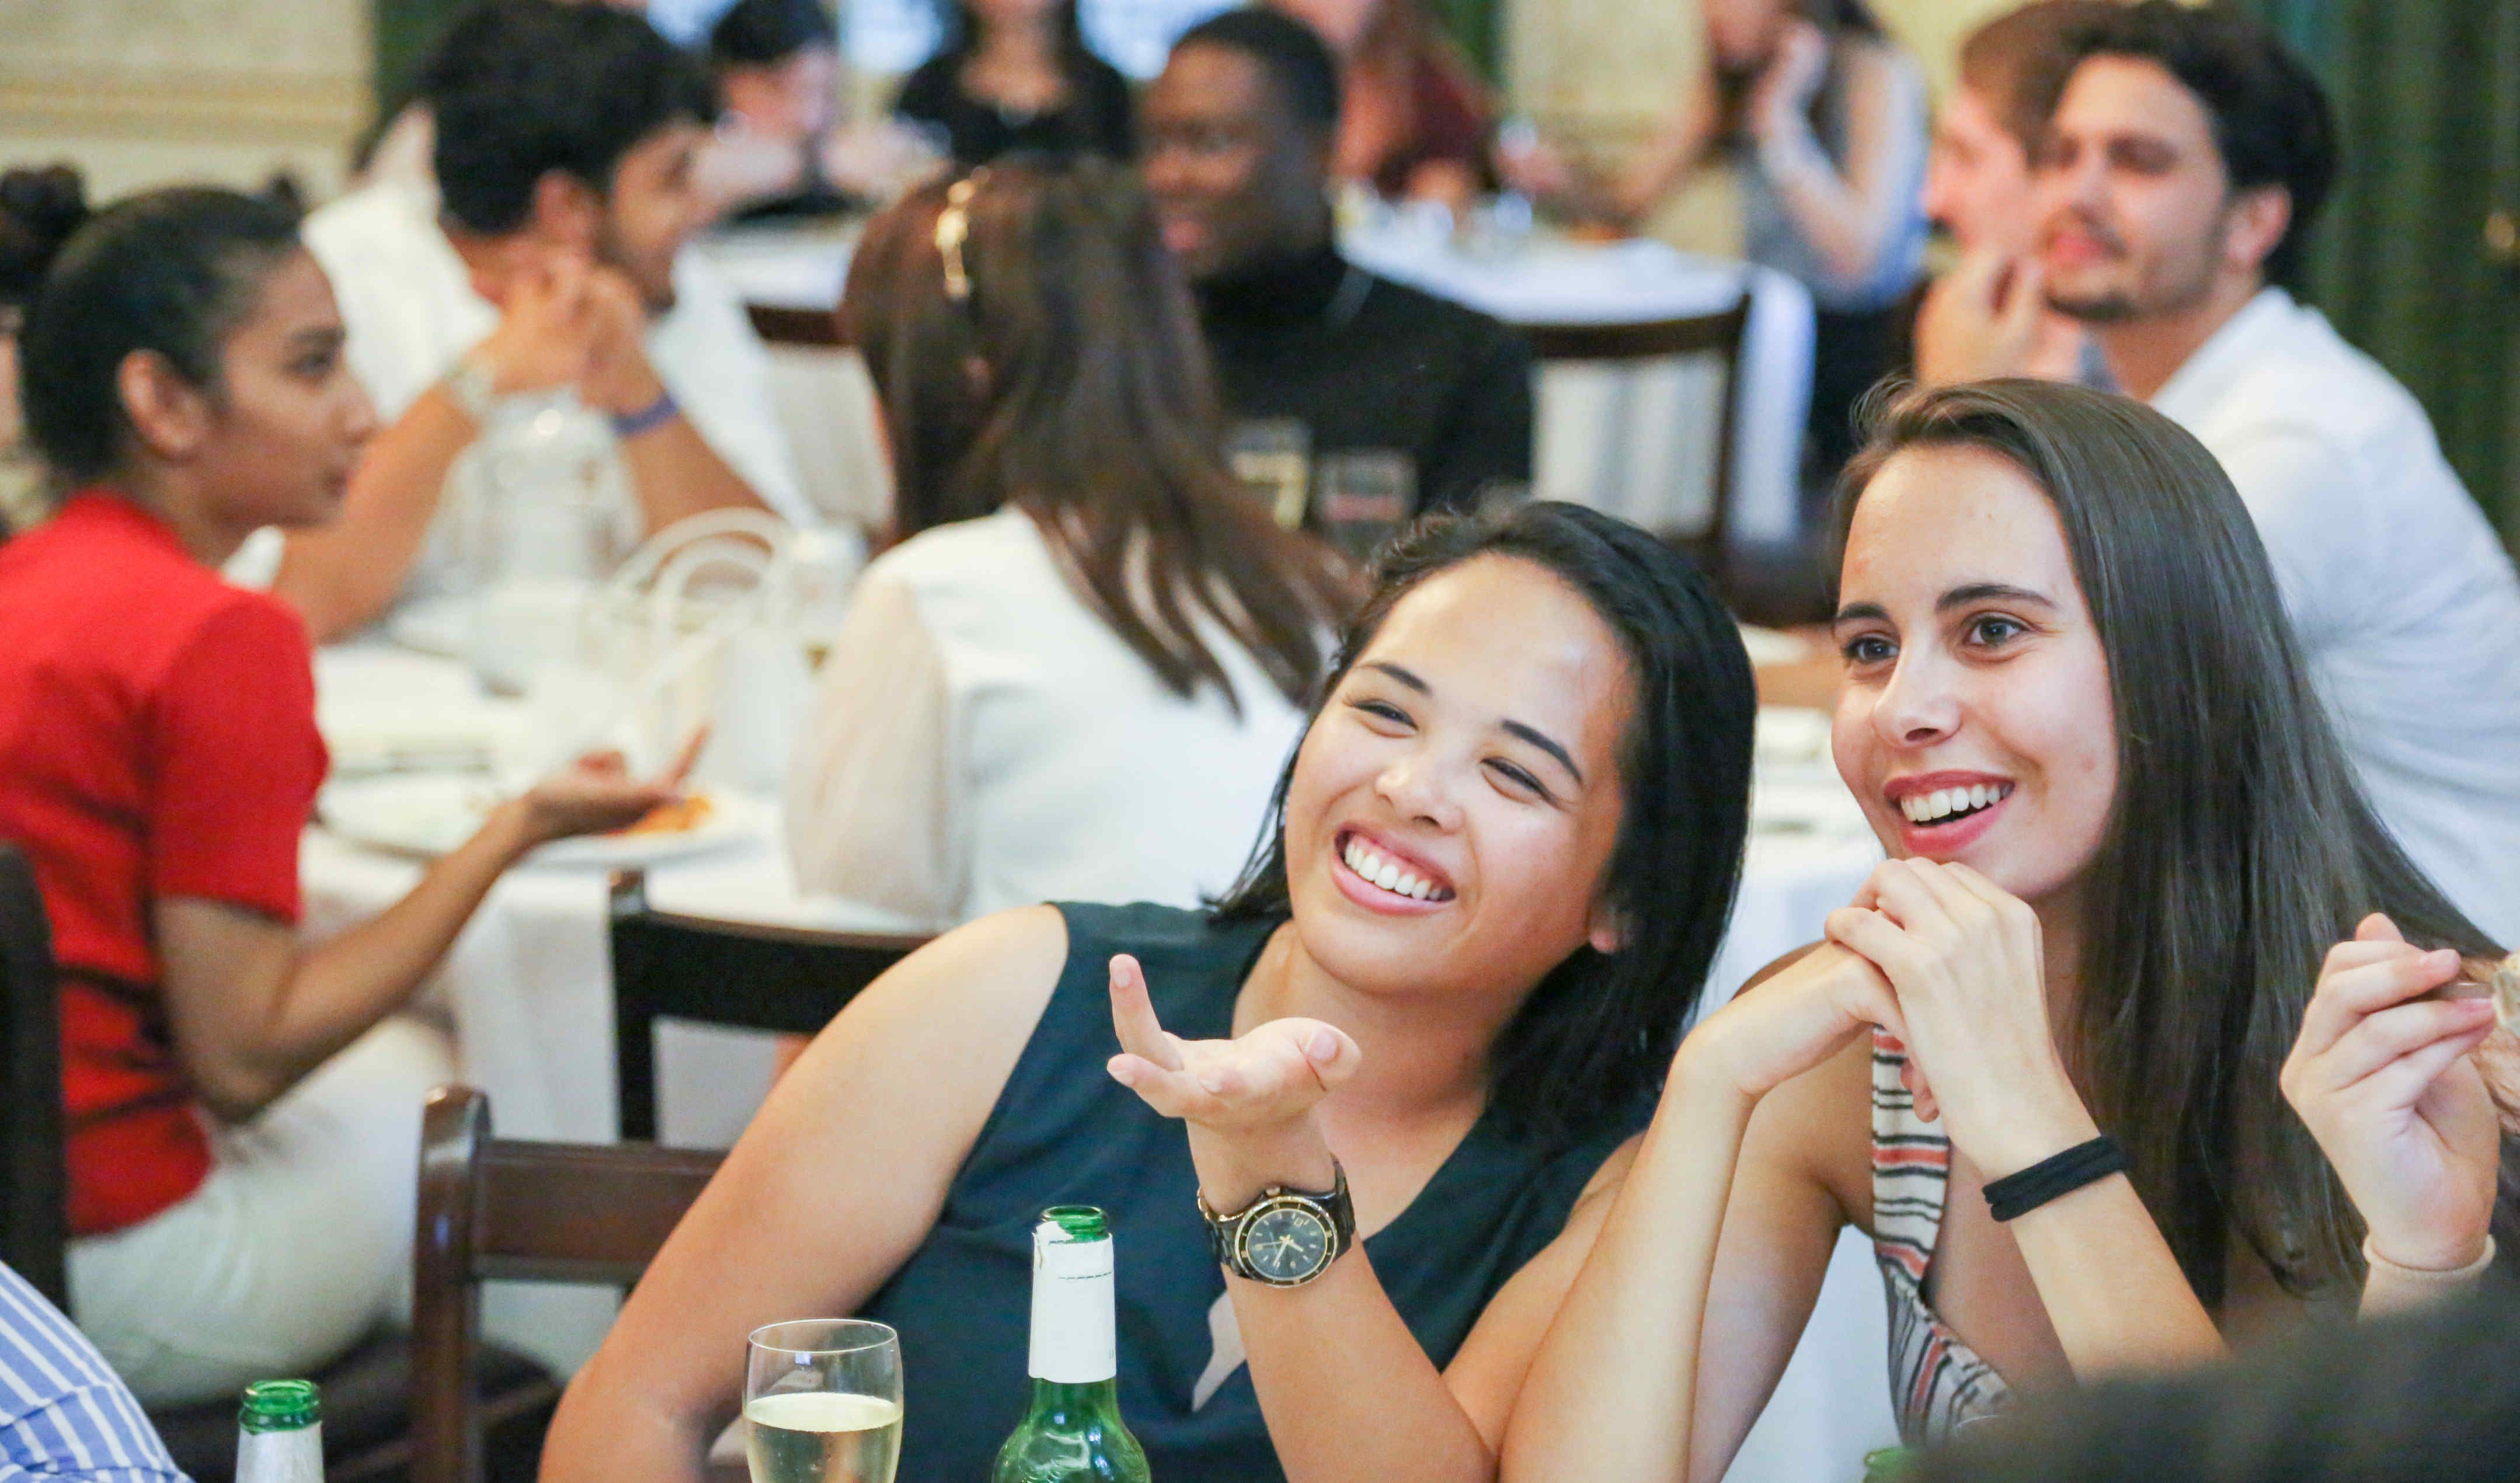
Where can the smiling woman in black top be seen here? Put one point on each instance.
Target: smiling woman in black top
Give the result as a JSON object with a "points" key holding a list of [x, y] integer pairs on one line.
{"points": [[1504, 856]]}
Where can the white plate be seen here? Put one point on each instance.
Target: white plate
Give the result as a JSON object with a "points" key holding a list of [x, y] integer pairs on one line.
{"points": [[426, 816]]}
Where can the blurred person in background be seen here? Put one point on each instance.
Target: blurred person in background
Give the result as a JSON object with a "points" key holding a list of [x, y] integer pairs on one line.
{"points": [[242, 1108], [553, 260], [1078, 675], [1017, 74], [39, 208], [1824, 116], [2184, 169], [780, 148], [2424, 1399], [1240, 130], [1979, 189], [1413, 120], [402, 148]]}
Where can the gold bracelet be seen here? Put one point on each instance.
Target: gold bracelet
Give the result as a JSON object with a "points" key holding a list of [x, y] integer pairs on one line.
{"points": [[2435, 1276]]}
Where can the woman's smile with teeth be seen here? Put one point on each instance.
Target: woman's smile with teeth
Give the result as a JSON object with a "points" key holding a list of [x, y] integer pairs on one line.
{"points": [[1389, 874], [1943, 802]]}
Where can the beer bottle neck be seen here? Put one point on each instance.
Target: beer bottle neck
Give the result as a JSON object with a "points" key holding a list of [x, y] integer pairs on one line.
{"points": [[1066, 1406]]}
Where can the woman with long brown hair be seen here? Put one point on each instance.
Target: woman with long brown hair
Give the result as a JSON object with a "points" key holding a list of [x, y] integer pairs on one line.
{"points": [[2037, 1059], [1077, 674]]}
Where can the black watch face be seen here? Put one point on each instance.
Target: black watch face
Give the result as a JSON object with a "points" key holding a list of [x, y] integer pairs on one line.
{"points": [[1286, 1244]]}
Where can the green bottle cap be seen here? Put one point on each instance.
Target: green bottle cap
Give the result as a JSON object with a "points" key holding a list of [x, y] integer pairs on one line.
{"points": [[280, 1406], [1892, 1464], [1082, 1223]]}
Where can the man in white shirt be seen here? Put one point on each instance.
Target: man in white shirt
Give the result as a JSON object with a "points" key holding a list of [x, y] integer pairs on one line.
{"points": [[2180, 171], [553, 260]]}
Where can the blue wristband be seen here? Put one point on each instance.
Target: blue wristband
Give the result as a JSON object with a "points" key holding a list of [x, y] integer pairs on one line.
{"points": [[657, 413]]}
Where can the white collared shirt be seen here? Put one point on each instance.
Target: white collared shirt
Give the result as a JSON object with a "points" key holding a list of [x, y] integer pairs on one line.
{"points": [[410, 311], [2404, 601]]}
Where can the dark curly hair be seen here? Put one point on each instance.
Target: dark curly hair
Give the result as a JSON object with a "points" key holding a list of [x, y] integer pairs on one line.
{"points": [[39, 210]]}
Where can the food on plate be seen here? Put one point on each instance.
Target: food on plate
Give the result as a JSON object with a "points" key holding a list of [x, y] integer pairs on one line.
{"points": [[678, 817], [2506, 994]]}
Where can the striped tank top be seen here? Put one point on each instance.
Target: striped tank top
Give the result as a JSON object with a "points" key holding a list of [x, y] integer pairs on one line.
{"points": [[1937, 1382]]}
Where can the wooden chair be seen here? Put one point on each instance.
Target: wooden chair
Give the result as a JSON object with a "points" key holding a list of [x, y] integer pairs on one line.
{"points": [[543, 1212], [801, 329], [1719, 336], [34, 1226], [671, 966], [366, 1393]]}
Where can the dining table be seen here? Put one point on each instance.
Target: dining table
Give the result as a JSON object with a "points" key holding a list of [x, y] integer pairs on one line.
{"points": [[525, 991], [1636, 440]]}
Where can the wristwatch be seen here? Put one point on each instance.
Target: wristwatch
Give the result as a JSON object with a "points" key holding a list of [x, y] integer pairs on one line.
{"points": [[1286, 1238]]}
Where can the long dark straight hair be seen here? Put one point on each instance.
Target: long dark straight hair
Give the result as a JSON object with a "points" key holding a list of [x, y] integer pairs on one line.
{"points": [[2238, 848], [1587, 1051], [1069, 378], [963, 25]]}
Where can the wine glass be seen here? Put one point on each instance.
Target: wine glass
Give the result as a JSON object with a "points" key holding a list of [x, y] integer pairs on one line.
{"points": [[1365, 496], [1273, 457], [822, 1401]]}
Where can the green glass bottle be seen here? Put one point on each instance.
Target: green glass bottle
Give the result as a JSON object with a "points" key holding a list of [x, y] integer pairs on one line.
{"points": [[1073, 1432], [280, 1433], [1892, 1464]]}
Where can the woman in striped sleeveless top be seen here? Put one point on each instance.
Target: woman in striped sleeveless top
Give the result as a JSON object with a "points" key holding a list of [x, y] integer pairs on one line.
{"points": [[2121, 833]]}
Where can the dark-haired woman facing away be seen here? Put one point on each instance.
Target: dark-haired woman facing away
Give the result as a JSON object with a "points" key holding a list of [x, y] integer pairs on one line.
{"points": [[1078, 676], [1017, 74], [1502, 860], [242, 1110], [2122, 836]]}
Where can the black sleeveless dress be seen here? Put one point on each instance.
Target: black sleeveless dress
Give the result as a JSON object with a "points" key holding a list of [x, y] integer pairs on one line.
{"points": [[1063, 1131]]}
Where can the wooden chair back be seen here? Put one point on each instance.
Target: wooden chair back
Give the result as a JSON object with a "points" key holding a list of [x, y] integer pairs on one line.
{"points": [[34, 1219], [544, 1212], [798, 328], [1720, 336], [666, 966]]}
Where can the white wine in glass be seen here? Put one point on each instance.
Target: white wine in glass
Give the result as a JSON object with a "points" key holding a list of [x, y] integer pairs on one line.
{"points": [[822, 1401]]}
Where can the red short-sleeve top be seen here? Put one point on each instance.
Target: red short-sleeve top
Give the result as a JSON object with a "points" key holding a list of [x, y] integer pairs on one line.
{"points": [[156, 739]]}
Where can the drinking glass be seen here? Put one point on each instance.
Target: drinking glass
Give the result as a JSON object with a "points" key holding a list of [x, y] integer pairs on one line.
{"points": [[1366, 497], [822, 1401], [1273, 457]]}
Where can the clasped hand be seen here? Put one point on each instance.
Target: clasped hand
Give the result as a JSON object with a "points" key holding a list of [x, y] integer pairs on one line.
{"points": [[1965, 962], [1248, 1100], [2382, 1074], [566, 321]]}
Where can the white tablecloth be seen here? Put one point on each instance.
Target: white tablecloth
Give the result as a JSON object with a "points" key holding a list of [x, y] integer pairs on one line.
{"points": [[1638, 441], [528, 990]]}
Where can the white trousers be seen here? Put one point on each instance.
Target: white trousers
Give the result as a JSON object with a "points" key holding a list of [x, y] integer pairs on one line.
{"points": [[296, 1246]]}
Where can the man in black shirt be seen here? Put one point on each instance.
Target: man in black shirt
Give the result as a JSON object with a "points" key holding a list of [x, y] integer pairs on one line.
{"points": [[1239, 133]]}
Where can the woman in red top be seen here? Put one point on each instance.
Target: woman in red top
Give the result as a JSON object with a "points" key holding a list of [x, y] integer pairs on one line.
{"points": [[241, 1115], [1413, 120]]}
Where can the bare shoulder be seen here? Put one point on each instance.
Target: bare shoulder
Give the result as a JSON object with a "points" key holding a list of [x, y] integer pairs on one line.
{"points": [[958, 1011]]}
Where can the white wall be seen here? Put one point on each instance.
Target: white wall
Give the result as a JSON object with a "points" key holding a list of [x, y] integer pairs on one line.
{"points": [[149, 92]]}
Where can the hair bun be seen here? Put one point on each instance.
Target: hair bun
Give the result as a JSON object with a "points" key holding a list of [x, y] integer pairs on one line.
{"points": [[39, 210]]}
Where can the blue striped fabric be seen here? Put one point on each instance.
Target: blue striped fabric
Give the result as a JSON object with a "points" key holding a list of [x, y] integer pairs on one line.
{"points": [[64, 1414]]}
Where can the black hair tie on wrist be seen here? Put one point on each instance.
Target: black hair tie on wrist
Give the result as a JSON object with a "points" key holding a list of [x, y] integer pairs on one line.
{"points": [[2053, 1177]]}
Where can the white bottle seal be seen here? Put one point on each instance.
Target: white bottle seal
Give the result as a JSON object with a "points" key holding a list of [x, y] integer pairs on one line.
{"points": [[1072, 1341]]}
